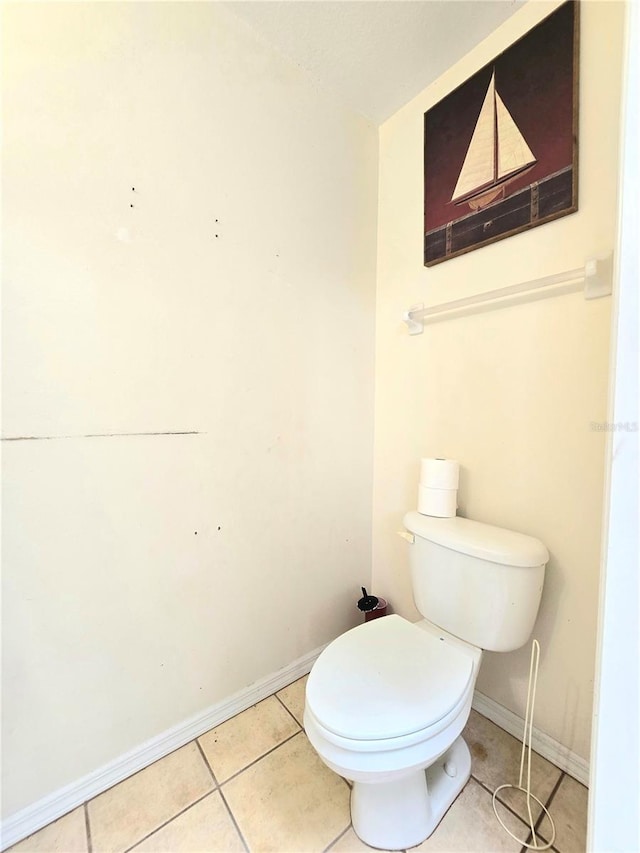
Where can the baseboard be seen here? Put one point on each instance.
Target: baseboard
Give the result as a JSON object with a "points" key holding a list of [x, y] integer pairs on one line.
{"points": [[542, 743], [59, 803], [62, 801]]}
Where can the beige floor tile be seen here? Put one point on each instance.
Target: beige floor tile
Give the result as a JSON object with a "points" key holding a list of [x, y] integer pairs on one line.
{"points": [[289, 801], [233, 745], [569, 812], [128, 812], [495, 760], [293, 697], [205, 827], [68, 834], [471, 825], [350, 843]]}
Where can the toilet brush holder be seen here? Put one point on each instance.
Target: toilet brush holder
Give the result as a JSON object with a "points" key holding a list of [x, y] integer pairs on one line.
{"points": [[372, 606], [536, 843]]}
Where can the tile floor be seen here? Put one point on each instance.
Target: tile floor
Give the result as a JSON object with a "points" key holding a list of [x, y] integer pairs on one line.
{"points": [[254, 783]]}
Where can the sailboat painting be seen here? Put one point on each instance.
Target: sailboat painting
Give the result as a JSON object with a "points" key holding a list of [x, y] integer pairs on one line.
{"points": [[501, 150]]}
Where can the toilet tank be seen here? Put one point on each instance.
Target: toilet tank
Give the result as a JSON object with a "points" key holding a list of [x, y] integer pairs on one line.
{"points": [[478, 582]]}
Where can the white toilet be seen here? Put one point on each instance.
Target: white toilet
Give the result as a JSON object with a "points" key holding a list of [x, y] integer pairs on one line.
{"points": [[386, 702]]}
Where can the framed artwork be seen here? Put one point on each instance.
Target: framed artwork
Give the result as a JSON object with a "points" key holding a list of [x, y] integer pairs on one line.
{"points": [[501, 150]]}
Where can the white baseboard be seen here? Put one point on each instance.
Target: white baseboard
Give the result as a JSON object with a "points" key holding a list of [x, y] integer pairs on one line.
{"points": [[541, 743], [54, 805]]}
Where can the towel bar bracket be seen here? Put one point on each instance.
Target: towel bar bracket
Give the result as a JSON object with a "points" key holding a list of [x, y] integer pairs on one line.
{"points": [[598, 277], [414, 327]]}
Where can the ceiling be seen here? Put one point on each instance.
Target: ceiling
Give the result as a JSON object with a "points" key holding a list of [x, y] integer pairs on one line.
{"points": [[376, 54]]}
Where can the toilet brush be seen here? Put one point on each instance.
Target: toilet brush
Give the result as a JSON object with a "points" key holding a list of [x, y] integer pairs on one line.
{"points": [[526, 747]]}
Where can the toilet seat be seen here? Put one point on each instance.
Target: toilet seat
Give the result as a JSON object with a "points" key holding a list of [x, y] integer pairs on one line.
{"points": [[387, 679]]}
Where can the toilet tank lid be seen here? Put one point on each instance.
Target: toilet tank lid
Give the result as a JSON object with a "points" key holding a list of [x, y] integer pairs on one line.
{"points": [[476, 539]]}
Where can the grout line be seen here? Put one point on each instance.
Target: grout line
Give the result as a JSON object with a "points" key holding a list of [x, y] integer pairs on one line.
{"points": [[344, 832], [337, 838], [137, 772], [166, 822], [547, 804], [540, 818], [260, 757], [528, 839], [346, 781], [291, 714], [234, 821], [87, 827], [222, 797], [505, 805], [206, 761], [555, 789]]}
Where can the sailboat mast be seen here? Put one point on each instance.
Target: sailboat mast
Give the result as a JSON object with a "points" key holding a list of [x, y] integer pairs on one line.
{"points": [[496, 137]]}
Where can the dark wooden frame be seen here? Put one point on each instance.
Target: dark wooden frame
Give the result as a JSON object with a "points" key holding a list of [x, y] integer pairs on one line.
{"points": [[550, 194]]}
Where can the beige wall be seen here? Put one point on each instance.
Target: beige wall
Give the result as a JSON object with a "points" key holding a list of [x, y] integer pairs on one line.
{"points": [[148, 577], [511, 393]]}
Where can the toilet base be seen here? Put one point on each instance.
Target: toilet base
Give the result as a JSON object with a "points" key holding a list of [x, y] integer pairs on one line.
{"points": [[404, 812]]}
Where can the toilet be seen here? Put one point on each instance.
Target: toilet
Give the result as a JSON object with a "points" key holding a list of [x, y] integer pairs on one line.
{"points": [[386, 702]]}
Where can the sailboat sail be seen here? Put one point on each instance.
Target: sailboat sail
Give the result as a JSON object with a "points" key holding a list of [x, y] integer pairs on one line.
{"points": [[497, 151], [478, 167], [513, 152]]}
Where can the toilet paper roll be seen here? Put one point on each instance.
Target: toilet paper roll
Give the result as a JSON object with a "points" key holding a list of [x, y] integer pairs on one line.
{"points": [[439, 502], [439, 473]]}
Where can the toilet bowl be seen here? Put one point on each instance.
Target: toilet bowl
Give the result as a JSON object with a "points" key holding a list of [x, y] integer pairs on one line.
{"points": [[386, 702]]}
